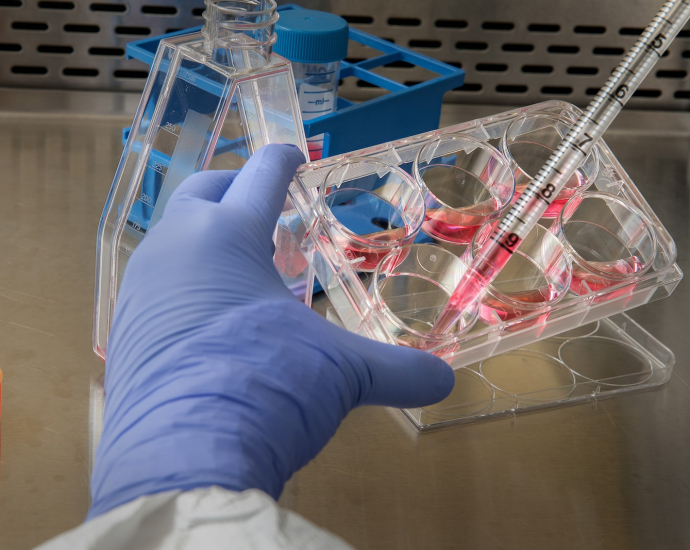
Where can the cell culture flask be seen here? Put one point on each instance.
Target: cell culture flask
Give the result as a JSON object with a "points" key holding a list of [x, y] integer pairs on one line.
{"points": [[211, 100]]}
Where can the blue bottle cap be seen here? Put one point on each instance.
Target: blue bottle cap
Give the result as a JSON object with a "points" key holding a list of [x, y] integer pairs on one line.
{"points": [[308, 36]]}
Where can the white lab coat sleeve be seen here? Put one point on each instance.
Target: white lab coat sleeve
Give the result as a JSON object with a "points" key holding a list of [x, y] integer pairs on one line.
{"points": [[208, 518]]}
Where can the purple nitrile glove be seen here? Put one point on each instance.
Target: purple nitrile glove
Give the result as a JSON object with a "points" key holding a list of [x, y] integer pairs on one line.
{"points": [[216, 374]]}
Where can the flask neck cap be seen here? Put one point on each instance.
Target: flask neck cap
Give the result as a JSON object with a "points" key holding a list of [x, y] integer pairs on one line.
{"points": [[309, 36]]}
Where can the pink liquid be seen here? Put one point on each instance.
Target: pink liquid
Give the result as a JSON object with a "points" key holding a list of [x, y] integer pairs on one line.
{"points": [[457, 226], [315, 149], [461, 234], [366, 258], [554, 208], [576, 181], [505, 312], [628, 266], [478, 276]]}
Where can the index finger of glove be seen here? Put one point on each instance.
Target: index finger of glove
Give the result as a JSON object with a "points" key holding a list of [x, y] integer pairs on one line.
{"points": [[263, 182], [209, 185]]}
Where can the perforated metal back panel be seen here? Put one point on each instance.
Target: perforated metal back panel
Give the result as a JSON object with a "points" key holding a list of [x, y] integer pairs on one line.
{"points": [[514, 52], [80, 43]]}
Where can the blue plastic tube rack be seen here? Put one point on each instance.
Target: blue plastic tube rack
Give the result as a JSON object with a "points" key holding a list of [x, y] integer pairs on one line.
{"points": [[405, 111]]}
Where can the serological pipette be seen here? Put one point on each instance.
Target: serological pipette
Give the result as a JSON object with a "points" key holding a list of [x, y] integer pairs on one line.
{"points": [[586, 131]]}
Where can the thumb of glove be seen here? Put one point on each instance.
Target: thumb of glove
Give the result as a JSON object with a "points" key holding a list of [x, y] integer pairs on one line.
{"points": [[395, 376]]}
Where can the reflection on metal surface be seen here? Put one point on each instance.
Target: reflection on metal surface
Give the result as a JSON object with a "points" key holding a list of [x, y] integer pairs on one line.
{"points": [[54, 175]]}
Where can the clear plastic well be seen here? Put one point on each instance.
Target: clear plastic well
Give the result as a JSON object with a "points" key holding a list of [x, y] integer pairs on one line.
{"points": [[611, 241], [617, 357], [535, 278], [529, 141], [466, 182], [373, 208], [411, 286]]}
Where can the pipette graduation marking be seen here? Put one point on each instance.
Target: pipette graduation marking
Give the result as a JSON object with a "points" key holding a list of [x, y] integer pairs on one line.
{"points": [[561, 165]]}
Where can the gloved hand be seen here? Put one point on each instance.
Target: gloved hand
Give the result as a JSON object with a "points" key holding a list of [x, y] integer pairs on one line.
{"points": [[216, 374]]}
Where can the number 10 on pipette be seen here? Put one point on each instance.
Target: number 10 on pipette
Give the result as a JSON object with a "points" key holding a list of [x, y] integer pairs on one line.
{"points": [[558, 169]]}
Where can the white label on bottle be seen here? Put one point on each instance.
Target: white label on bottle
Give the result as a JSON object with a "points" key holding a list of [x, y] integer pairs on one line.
{"points": [[184, 159], [316, 101]]}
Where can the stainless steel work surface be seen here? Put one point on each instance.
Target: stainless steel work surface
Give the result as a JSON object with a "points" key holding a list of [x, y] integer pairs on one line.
{"points": [[616, 476]]}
